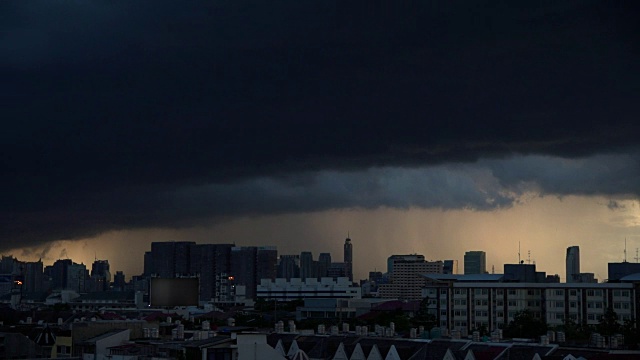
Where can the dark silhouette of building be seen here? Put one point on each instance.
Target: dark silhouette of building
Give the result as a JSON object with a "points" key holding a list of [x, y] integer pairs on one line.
{"points": [[267, 263], [324, 263], [243, 268], [119, 281], [288, 267], [101, 275], [616, 271], [169, 259], [59, 272], [211, 262], [307, 266], [348, 258], [32, 273]]}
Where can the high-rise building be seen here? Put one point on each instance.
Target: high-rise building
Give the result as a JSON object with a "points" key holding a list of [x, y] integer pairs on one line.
{"points": [[211, 263], [169, 259], [288, 266], [119, 281], [306, 266], [101, 275], [324, 263], [33, 276], [58, 273], [406, 277], [450, 267], [77, 275], [148, 263], [573, 264], [348, 258], [475, 262], [267, 263], [243, 269]]}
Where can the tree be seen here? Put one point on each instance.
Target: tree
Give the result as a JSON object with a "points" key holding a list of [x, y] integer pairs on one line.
{"points": [[609, 323], [525, 325], [423, 317]]}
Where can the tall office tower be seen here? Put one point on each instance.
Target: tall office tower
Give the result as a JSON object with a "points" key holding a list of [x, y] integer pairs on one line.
{"points": [[288, 267], [162, 259], [59, 273], [573, 264], [306, 265], [8, 265], [267, 263], [449, 267], [182, 256], [170, 258], [324, 263], [348, 258], [475, 262], [101, 275], [211, 263], [33, 276], [119, 281], [243, 268], [148, 263], [77, 274]]}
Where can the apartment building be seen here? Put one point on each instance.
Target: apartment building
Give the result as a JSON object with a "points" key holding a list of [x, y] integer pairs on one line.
{"points": [[465, 302]]}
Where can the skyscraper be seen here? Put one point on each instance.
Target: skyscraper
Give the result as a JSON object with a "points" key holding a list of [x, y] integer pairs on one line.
{"points": [[348, 258], [475, 262], [101, 274], [267, 263], [306, 265], [573, 264], [288, 266], [324, 263]]}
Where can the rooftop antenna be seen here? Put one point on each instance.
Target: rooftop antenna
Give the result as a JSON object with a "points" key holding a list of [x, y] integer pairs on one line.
{"points": [[518, 252], [625, 249], [636, 255], [529, 257], [493, 269]]}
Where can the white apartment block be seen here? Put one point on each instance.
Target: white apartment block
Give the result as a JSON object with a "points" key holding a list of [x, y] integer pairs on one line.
{"points": [[406, 281], [296, 288], [465, 305]]}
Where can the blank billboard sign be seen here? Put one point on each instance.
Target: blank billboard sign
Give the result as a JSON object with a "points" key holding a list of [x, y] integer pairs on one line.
{"points": [[174, 292]]}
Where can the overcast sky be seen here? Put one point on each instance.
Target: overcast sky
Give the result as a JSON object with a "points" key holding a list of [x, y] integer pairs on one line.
{"points": [[437, 128]]}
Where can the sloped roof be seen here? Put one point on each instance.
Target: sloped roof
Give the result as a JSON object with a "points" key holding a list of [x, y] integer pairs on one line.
{"points": [[46, 337]]}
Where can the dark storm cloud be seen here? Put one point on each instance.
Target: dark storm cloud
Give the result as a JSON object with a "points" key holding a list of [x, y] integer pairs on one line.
{"points": [[109, 107]]}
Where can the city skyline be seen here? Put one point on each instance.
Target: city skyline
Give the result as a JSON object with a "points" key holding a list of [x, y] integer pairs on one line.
{"points": [[524, 257], [429, 127]]}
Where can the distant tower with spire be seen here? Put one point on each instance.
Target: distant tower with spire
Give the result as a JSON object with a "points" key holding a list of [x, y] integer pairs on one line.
{"points": [[348, 257]]}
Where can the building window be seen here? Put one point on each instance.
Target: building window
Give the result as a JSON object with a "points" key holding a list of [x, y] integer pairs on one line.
{"points": [[573, 304], [499, 303], [559, 292], [512, 291], [625, 293], [572, 292], [591, 293], [499, 292], [591, 316]]}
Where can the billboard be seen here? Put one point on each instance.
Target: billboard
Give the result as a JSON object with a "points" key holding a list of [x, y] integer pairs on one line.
{"points": [[174, 292]]}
